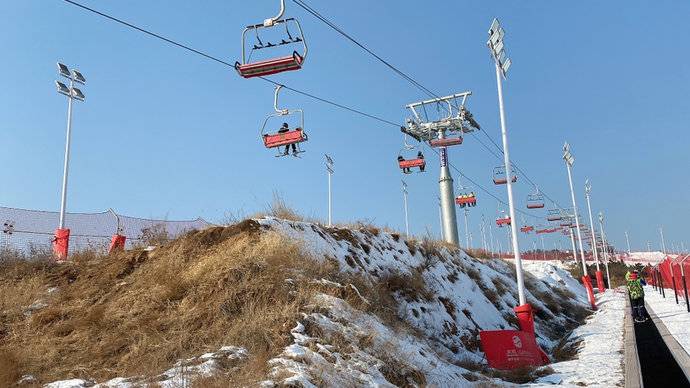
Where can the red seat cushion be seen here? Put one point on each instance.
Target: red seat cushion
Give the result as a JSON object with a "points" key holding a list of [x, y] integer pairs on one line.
{"points": [[285, 138], [412, 163], [270, 66]]}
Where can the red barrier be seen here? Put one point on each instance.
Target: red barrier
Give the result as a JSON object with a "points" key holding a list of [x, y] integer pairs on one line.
{"points": [[511, 349], [61, 244], [600, 282], [587, 283], [117, 243]]}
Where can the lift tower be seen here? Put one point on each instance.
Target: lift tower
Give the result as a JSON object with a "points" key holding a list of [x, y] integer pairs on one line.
{"points": [[451, 122]]}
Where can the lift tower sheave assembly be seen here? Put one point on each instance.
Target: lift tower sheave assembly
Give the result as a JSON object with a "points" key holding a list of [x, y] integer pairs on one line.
{"points": [[452, 121]]}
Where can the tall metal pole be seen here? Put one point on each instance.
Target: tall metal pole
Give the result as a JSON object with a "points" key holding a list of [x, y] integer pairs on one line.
{"points": [[467, 230], [663, 243], [330, 202], [329, 169], [627, 240], [491, 237], [65, 171], [509, 185], [577, 218], [588, 190], [445, 183], [572, 240], [543, 247], [407, 224], [604, 247]]}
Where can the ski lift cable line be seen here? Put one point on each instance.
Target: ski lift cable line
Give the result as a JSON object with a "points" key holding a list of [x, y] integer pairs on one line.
{"points": [[218, 60], [321, 99], [417, 84]]}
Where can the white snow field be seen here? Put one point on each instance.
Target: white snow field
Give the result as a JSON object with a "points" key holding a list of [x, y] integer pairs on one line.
{"points": [[599, 360], [436, 342], [675, 316]]}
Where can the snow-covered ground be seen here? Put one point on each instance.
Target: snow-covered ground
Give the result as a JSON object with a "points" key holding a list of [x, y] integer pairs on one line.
{"points": [[336, 344], [644, 257], [675, 316], [599, 360]]}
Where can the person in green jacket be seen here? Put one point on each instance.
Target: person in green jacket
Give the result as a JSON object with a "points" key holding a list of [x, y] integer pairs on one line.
{"points": [[636, 294]]}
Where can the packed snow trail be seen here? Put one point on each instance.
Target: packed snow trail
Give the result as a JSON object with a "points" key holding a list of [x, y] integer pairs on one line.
{"points": [[659, 368]]}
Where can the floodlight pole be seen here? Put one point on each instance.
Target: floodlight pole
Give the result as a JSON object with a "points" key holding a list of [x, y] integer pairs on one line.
{"points": [[407, 224], [572, 240], [500, 72], [467, 230], [627, 240], [491, 238], [509, 184], [663, 243], [543, 247], [567, 156], [588, 190], [65, 171], [603, 247], [329, 170]]}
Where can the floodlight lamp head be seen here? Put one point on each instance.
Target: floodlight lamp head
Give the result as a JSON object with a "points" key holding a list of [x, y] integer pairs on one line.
{"points": [[78, 77], [78, 95], [64, 70], [62, 88]]}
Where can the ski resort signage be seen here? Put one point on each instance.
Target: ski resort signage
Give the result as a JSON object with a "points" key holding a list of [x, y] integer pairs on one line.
{"points": [[511, 349]]}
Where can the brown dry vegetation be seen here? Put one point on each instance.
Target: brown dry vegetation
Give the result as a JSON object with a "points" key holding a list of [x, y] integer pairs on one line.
{"points": [[138, 312]]}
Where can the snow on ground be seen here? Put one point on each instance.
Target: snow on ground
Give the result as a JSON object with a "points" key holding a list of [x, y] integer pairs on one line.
{"points": [[599, 360], [675, 316], [443, 298], [180, 375], [645, 257], [467, 294], [555, 274]]}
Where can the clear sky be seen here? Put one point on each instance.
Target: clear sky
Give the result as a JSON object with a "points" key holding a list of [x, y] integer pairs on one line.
{"points": [[165, 133]]}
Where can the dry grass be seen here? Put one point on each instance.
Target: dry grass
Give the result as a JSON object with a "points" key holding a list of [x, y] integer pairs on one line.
{"points": [[138, 312], [280, 209]]}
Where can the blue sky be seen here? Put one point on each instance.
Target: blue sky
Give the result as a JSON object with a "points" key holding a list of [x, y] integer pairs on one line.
{"points": [[165, 133]]}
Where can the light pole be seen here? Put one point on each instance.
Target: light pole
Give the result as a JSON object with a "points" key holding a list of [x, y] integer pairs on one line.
{"points": [[61, 241], [569, 160], [543, 248], [407, 224], [604, 247], [502, 64], [467, 228], [572, 240], [663, 243], [600, 280], [329, 170], [627, 241]]}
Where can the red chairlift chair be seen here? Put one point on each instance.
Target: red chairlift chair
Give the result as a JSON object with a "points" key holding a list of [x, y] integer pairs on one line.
{"points": [[264, 67], [500, 176], [284, 136], [503, 221], [467, 199], [535, 200], [406, 164], [526, 229]]}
